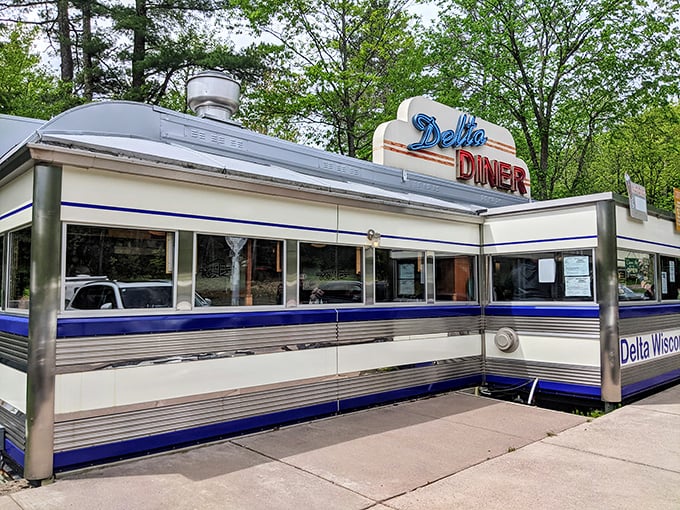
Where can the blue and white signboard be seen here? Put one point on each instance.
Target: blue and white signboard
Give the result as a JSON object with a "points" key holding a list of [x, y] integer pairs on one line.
{"points": [[650, 346]]}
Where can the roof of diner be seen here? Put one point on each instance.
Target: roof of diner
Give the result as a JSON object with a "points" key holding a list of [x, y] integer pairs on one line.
{"points": [[141, 131]]}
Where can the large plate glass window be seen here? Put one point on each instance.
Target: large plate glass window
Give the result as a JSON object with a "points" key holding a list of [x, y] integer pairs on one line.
{"points": [[669, 271], [330, 274], [635, 276], [2, 272], [110, 268], [454, 277], [399, 276], [239, 271], [545, 276], [18, 293]]}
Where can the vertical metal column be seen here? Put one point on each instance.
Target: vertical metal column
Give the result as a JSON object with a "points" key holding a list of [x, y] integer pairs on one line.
{"points": [[292, 281], [42, 325], [483, 272], [369, 274], [608, 299], [185, 268]]}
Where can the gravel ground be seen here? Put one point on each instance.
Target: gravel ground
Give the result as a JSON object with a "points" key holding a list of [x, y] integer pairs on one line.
{"points": [[13, 486]]}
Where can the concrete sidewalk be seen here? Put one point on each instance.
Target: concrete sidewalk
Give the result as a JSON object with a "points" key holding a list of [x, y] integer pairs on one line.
{"points": [[446, 452]]}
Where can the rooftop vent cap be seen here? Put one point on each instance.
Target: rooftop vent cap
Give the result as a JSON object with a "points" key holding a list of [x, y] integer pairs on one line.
{"points": [[213, 94]]}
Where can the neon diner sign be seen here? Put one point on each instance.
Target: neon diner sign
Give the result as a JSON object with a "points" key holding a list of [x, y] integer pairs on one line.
{"points": [[465, 134], [476, 168]]}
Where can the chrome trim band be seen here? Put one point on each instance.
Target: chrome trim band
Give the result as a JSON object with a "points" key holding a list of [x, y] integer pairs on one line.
{"points": [[15, 427], [14, 351], [568, 326], [649, 369], [650, 324], [576, 374]]}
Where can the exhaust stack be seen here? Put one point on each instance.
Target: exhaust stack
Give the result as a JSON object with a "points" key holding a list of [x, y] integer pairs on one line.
{"points": [[213, 95]]}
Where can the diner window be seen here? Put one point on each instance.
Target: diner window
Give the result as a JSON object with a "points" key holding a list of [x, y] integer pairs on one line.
{"points": [[101, 254], [636, 276], [2, 272], [239, 271], [399, 275], [454, 277], [330, 274], [18, 295], [546, 276], [669, 270]]}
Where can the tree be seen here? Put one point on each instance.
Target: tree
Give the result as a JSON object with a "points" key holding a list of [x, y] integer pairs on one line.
{"points": [[646, 147], [26, 89], [347, 64], [562, 71]]}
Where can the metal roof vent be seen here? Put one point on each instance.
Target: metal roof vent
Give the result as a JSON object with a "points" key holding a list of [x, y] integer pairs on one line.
{"points": [[214, 95]]}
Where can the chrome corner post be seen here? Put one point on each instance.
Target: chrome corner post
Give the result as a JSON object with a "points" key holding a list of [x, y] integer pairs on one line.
{"points": [[42, 325], [608, 300]]}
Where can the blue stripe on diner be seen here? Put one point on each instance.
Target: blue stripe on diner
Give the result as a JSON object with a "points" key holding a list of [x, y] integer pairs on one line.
{"points": [[248, 222], [73, 459], [16, 211], [91, 326], [195, 216], [645, 241], [550, 240], [14, 324], [565, 389], [636, 311], [647, 384], [136, 324], [14, 452], [577, 312]]}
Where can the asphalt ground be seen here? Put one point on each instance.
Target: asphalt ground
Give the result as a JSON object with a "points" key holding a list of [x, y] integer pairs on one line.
{"points": [[451, 451]]}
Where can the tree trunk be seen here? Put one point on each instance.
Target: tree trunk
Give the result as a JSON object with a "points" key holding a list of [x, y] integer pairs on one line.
{"points": [[139, 51], [65, 45], [87, 51]]}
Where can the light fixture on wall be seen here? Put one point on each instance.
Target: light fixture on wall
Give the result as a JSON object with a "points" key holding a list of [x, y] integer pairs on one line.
{"points": [[373, 237]]}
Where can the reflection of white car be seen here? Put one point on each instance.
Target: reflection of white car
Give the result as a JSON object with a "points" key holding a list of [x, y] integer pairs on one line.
{"points": [[628, 294], [108, 295]]}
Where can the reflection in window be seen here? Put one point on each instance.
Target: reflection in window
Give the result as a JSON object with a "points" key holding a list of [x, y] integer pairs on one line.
{"points": [[636, 276], [19, 268], [399, 275], [239, 271], [548, 276], [454, 277], [107, 253], [330, 274], [669, 271]]}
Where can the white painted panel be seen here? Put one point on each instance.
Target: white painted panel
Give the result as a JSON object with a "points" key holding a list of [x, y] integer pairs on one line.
{"points": [[408, 231], [193, 207], [131, 385], [549, 349], [655, 235], [13, 387], [14, 195], [353, 358], [542, 231]]}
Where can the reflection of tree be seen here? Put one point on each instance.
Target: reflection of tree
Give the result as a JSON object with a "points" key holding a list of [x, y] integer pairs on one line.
{"points": [[119, 254]]}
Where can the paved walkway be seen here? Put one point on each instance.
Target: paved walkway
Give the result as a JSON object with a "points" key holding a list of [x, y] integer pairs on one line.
{"points": [[446, 452]]}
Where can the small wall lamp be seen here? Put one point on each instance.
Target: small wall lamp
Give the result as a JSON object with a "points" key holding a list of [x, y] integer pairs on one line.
{"points": [[373, 237]]}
